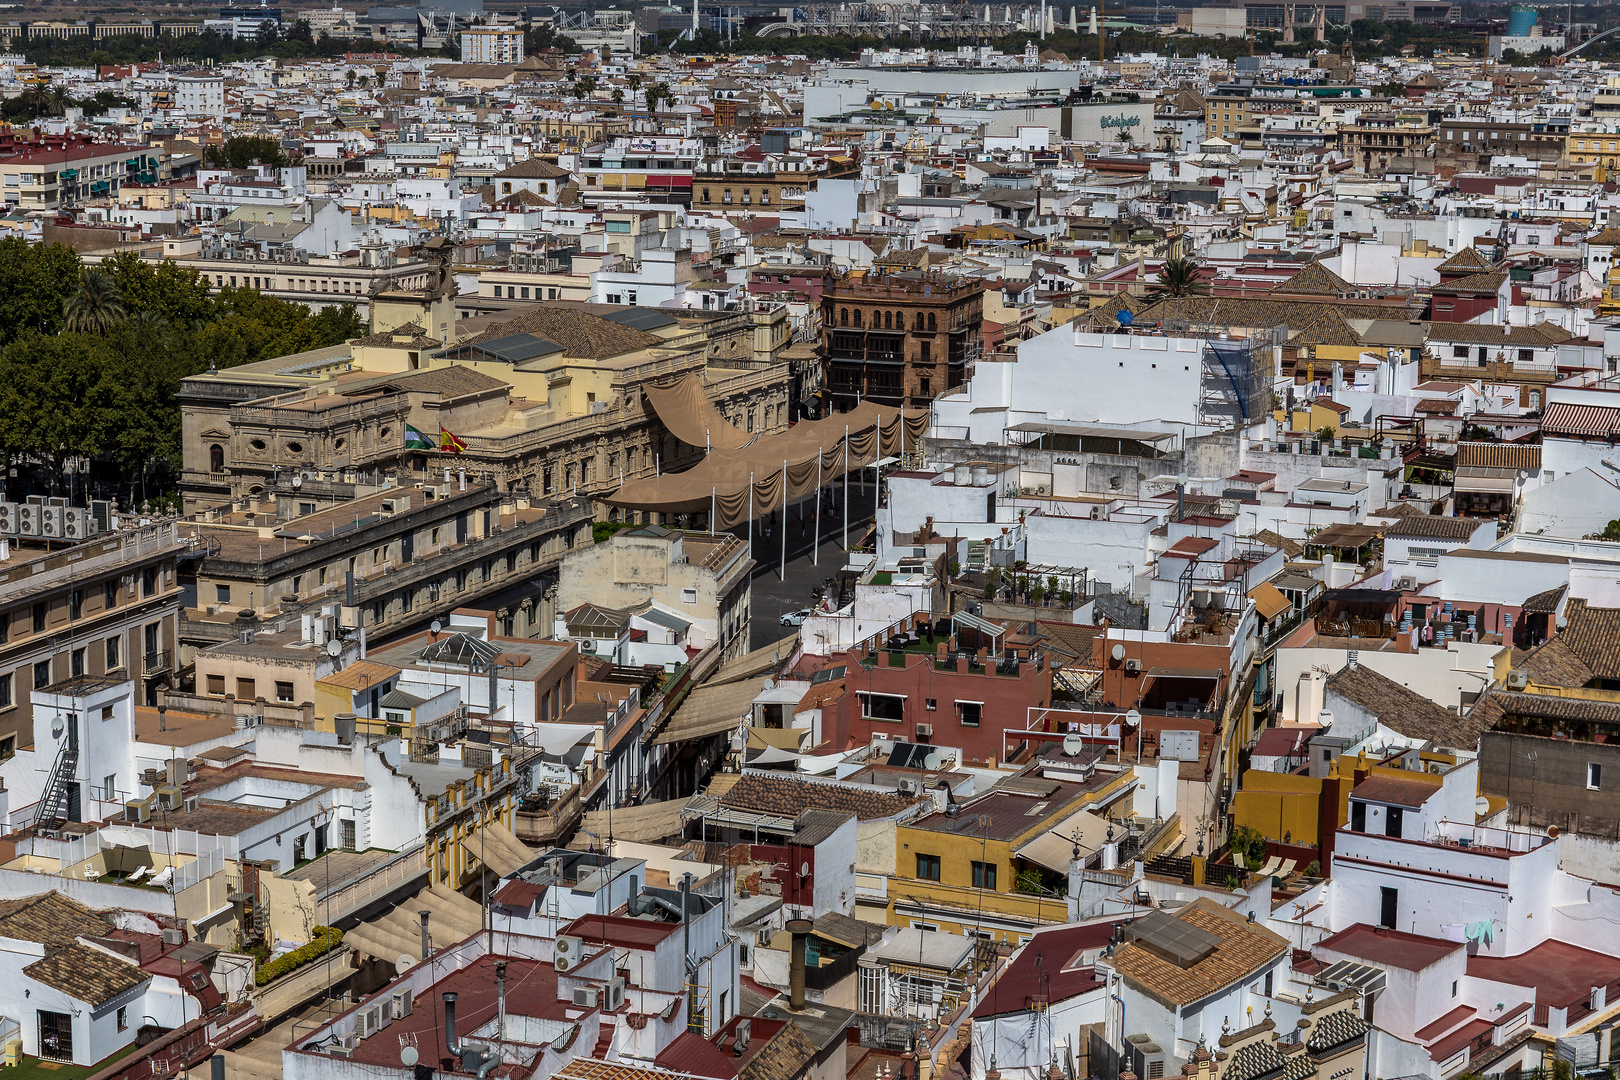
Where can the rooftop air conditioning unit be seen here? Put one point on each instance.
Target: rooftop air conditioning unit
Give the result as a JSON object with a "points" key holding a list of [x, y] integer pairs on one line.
{"points": [[1518, 679], [401, 1004], [53, 521], [1406, 584], [589, 997], [28, 519], [169, 798], [925, 730], [568, 954], [1133, 667], [615, 995], [8, 517], [137, 811], [76, 523], [191, 804], [908, 787], [174, 936]]}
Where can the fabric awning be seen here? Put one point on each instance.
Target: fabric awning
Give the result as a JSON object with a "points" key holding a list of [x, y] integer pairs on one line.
{"points": [[782, 738], [1562, 418], [644, 824], [771, 755], [1269, 600], [1485, 480], [1182, 673], [685, 409], [810, 454], [759, 662], [496, 847], [1054, 848], [711, 710]]}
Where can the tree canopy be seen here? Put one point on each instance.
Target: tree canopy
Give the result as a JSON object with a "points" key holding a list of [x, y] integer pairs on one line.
{"points": [[91, 357]]}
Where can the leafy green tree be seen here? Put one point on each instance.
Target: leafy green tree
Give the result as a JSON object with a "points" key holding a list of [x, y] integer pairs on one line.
{"points": [[166, 291], [1178, 278], [57, 398], [35, 280], [267, 34], [245, 151], [96, 308]]}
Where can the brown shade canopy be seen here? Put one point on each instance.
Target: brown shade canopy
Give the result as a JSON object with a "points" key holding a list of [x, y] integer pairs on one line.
{"points": [[811, 453]]}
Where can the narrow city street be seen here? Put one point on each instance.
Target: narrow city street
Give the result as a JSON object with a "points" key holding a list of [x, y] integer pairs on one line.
{"points": [[775, 594]]}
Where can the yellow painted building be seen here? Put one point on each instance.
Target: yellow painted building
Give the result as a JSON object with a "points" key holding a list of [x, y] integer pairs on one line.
{"points": [[961, 873], [455, 818]]}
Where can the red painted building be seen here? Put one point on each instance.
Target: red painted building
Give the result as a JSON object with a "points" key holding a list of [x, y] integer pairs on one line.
{"points": [[1469, 286]]}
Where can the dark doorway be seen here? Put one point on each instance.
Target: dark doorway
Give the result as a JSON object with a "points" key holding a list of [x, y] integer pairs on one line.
{"points": [[1358, 816], [1389, 901], [55, 1036], [1392, 822]]}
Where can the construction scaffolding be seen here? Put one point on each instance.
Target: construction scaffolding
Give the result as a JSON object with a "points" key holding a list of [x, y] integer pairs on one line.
{"points": [[1235, 391]]}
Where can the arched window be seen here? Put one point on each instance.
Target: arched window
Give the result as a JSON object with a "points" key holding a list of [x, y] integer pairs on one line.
{"points": [[843, 317], [216, 458], [888, 320], [857, 318], [931, 325]]}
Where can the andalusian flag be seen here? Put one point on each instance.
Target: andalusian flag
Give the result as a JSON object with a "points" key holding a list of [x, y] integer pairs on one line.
{"points": [[449, 443], [415, 440]]}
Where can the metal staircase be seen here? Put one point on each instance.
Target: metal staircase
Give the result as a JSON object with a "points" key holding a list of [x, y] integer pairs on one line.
{"points": [[54, 802]]}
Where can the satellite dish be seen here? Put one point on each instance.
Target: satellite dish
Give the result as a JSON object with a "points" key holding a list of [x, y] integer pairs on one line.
{"points": [[1133, 719], [804, 869], [404, 961], [57, 727], [435, 627], [1117, 652], [297, 481], [407, 1055], [1073, 744], [1482, 806], [1552, 832], [334, 647]]}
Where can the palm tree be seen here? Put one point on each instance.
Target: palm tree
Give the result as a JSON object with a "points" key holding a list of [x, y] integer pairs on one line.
{"points": [[618, 96], [1178, 277], [635, 83], [96, 308]]}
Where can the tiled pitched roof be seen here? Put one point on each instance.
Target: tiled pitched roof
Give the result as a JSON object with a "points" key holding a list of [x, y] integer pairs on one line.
{"points": [[580, 333], [1316, 280], [1485, 282], [1435, 526], [1498, 455], [532, 169], [1328, 328], [1231, 311], [1290, 548], [1554, 664], [1593, 635], [1498, 704], [783, 1058], [1243, 949], [1404, 711], [89, 975], [1468, 259], [1395, 790], [49, 919], [1335, 1029], [789, 798]]}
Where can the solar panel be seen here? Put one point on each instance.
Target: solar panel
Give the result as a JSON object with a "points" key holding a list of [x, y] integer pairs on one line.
{"points": [[516, 348], [640, 318], [1171, 939]]}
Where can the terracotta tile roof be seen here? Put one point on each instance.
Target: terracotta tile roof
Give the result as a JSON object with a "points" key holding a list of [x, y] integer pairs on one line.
{"points": [[1499, 704], [450, 382], [89, 975], [1544, 602], [1485, 282], [1541, 334], [1468, 259], [1593, 635], [1316, 280], [1394, 789], [1430, 525], [1328, 328], [360, 675], [1554, 664], [789, 798], [1230, 311], [785, 1056], [49, 919], [1336, 1029], [1403, 710], [1290, 548], [1498, 456], [580, 333], [532, 169], [1243, 949]]}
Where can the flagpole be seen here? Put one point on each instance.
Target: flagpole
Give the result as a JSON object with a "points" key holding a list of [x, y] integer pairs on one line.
{"points": [[784, 518], [750, 515], [714, 525], [846, 487]]}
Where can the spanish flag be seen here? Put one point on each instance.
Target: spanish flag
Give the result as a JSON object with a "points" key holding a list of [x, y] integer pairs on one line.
{"points": [[449, 443]]}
